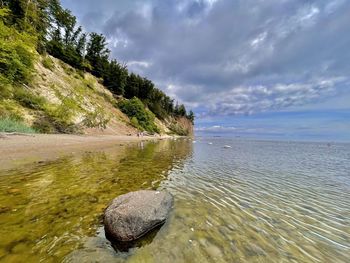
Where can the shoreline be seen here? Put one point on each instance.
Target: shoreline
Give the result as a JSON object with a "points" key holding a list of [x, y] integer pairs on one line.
{"points": [[20, 149]]}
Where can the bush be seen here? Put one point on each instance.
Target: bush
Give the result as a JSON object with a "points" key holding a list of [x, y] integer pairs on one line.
{"points": [[140, 117], [49, 123], [43, 124], [89, 83], [48, 63], [28, 99], [57, 118], [96, 119], [177, 129], [16, 54], [9, 110], [5, 88], [134, 122], [60, 116], [10, 125]]}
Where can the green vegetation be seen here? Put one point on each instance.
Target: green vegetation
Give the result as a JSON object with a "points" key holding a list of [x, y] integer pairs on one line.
{"points": [[44, 26], [16, 54], [177, 129], [29, 100], [141, 118], [48, 63], [96, 119], [11, 125]]}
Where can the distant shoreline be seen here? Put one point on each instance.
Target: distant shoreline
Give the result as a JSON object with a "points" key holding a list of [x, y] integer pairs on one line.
{"points": [[20, 149]]}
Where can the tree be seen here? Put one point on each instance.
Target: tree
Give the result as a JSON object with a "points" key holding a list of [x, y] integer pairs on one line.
{"points": [[156, 103], [191, 116], [97, 54], [16, 53], [67, 42], [141, 117], [132, 87], [81, 45], [29, 15], [146, 88], [182, 110], [115, 79], [46, 25]]}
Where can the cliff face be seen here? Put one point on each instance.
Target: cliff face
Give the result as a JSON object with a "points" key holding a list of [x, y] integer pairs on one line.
{"points": [[61, 99], [180, 126], [185, 125]]}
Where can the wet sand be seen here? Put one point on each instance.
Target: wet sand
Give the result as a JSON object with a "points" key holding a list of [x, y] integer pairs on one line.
{"points": [[19, 149]]}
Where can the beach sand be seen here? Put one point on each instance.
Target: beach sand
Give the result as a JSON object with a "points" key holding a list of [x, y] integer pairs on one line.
{"points": [[19, 149]]}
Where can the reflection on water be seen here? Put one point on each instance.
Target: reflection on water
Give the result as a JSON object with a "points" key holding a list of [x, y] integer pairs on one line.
{"points": [[254, 202], [50, 210]]}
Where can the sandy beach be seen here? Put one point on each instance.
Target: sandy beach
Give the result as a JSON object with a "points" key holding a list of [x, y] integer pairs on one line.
{"points": [[19, 149]]}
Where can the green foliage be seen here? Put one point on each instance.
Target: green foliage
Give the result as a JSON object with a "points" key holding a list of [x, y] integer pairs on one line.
{"points": [[191, 116], [135, 109], [16, 55], [157, 103], [48, 63], [115, 78], [133, 86], [67, 69], [28, 99], [89, 83], [43, 124], [45, 26], [97, 54], [96, 119], [12, 125], [9, 110], [54, 121], [177, 129], [134, 122], [81, 74], [66, 40], [4, 13], [180, 110], [57, 118], [6, 88]]}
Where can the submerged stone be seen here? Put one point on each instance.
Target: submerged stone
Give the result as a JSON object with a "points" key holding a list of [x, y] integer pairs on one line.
{"points": [[131, 216]]}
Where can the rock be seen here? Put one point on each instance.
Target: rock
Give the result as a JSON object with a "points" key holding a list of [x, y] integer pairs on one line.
{"points": [[132, 215]]}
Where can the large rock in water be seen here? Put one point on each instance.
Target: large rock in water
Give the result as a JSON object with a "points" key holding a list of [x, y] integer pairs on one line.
{"points": [[132, 215]]}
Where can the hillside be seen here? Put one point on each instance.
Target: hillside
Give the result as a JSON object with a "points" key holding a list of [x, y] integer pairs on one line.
{"points": [[56, 78], [61, 99]]}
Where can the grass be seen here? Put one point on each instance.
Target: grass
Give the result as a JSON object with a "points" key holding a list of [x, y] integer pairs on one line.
{"points": [[10, 125], [177, 129], [48, 63], [28, 99]]}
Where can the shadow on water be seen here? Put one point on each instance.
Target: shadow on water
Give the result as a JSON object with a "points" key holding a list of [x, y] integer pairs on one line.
{"points": [[48, 210], [126, 246]]}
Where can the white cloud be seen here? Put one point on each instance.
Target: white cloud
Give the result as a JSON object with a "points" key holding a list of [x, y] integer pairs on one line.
{"points": [[232, 56]]}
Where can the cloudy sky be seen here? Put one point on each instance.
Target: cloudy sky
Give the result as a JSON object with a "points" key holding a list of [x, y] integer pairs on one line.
{"points": [[259, 68]]}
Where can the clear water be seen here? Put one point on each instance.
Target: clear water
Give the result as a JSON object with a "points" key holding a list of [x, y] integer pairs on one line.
{"points": [[259, 201]]}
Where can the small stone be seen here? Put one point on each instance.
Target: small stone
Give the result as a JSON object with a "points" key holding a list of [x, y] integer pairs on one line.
{"points": [[14, 191], [92, 199]]}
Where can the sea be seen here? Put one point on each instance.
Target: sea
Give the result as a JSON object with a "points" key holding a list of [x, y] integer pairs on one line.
{"points": [[235, 200]]}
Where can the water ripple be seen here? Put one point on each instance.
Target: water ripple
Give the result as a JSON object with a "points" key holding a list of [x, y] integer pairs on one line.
{"points": [[264, 202]]}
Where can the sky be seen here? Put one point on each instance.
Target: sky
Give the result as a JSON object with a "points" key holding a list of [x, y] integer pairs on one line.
{"points": [[251, 68]]}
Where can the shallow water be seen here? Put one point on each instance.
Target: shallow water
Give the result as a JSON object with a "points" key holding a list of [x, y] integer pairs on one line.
{"points": [[259, 201]]}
